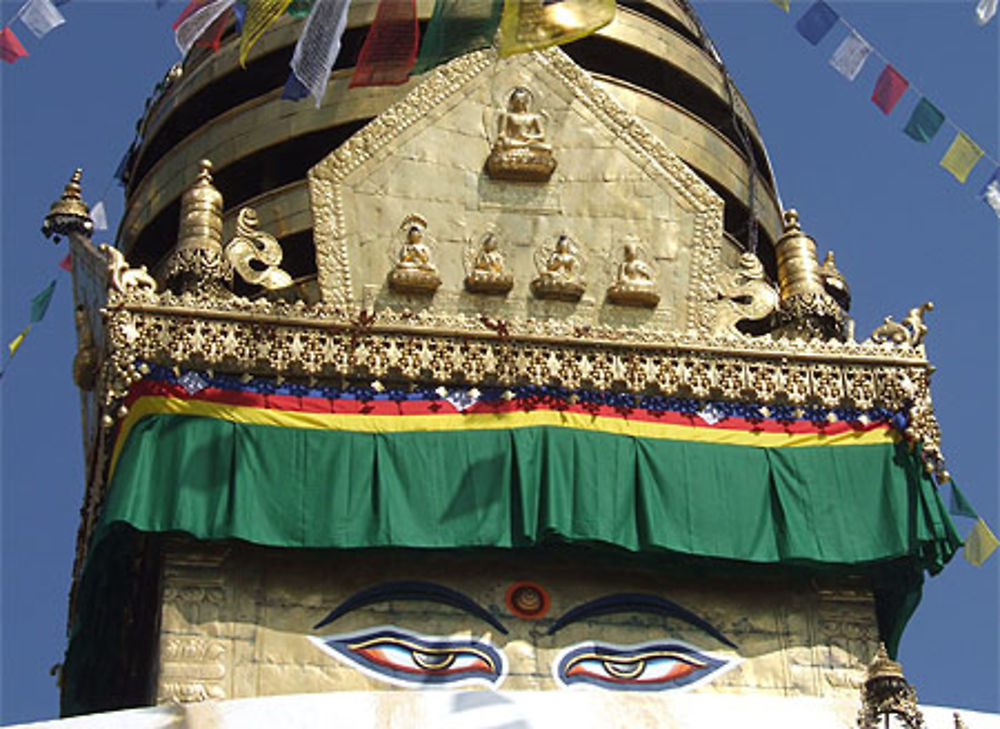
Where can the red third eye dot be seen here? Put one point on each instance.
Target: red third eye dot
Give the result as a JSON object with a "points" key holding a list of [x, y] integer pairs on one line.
{"points": [[527, 600]]}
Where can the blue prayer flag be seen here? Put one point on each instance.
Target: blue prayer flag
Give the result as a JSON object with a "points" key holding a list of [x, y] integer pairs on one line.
{"points": [[294, 90], [817, 22]]}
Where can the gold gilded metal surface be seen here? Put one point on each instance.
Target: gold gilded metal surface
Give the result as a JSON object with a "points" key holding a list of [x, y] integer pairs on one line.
{"points": [[414, 272], [255, 254], [560, 272], [746, 296], [87, 360], [635, 282], [520, 151], [835, 283], [69, 213], [911, 331], [886, 692], [487, 267]]}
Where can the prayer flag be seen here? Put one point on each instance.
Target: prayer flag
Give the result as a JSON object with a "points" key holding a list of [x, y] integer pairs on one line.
{"points": [[817, 22], [294, 89], [390, 48], [300, 8], [980, 543], [985, 10], [457, 27], [10, 47], [959, 505], [850, 56], [783, 4], [240, 11], [991, 192], [99, 217], [260, 15], [961, 157], [530, 25], [195, 19], [121, 172], [319, 45], [40, 304], [213, 36], [66, 264], [41, 16], [889, 89], [925, 121], [15, 343]]}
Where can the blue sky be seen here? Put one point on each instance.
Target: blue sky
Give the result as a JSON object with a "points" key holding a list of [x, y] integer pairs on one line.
{"points": [[903, 230]]}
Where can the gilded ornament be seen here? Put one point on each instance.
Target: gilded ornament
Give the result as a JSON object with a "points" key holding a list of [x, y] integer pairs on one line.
{"points": [[520, 151], [255, 254], [86, 362], [68, 214], [560, 272], [886, 691], [835, 283], [635, 281], [414, 272], [130, 282], [911, 331], [487, 268], [745, 296]]}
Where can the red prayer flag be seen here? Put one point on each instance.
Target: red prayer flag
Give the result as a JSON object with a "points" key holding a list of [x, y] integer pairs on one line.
{"points": [[10, 47], [188, 11], [66, 264], [213, 36], [889, 89], [390, 49]]}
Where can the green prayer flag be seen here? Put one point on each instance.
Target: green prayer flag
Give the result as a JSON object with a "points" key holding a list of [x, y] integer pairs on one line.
{"points": [[300, 8], [959, 505], [457, 27], [40, 304], [925, 121], [980, 543]]}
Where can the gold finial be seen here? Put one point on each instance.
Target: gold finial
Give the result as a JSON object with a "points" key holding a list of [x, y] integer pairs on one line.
{"points": [[197, 263], [791, 218], [69, 213], [835, 283], [886, 691], [882, 666]]}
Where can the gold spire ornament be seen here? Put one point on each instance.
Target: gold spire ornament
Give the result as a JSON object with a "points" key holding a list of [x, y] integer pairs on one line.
{"points": [[68, 214], [197, 264], [886, 691], [255, 254]]}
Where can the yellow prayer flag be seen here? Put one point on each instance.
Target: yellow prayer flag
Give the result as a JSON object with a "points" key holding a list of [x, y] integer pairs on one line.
{"points": [[783, 4], [16, 341], [980, 543], [259, 16], [961, 156], [528, 25]]}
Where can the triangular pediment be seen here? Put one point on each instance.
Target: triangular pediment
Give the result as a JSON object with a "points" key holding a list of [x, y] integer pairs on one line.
{"points": [[425, 159]]}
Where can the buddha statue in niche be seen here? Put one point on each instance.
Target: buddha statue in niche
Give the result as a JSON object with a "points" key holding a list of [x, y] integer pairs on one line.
{"points": [[635, 281], [487, 268], [414, 272], [520, 151], [560, 272]]}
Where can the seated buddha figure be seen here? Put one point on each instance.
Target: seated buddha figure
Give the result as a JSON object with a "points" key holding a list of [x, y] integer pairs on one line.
{"points": [[560, 273], [520, 151], [488, 272], [635, 282], [414, 272]]}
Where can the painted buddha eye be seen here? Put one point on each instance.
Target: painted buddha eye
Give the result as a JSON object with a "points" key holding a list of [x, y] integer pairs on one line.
{"points": [[404, 658], [644, 667]]}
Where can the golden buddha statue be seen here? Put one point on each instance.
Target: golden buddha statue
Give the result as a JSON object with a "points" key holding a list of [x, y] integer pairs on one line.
{"points": [[488, 272], [520, 151], [560, 274], [414, 272], [635, 283]]}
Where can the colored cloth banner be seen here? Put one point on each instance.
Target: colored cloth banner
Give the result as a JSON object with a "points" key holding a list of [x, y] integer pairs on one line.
{"points": [[16, 342], [530, 25], [961, 157], [300, 8], [40, 304], [889, 89], [318, 46], [850, 56], [457, 27], [260, 15], [41, 16], [66, 264], [195, 19], [390, 48], [817, 22], [212, 39], [980, 543], [783, 4], [99, 216], [10, 47], [991, 192], [985, 10], [958, 505], [925, 121], [294, 89]]}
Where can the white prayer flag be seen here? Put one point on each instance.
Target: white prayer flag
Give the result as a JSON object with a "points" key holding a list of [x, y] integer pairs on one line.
{"points": [[198, 22], [850, 56], [991, 193], [41, 16], [985, 11], [99, 217], [319, 45]]}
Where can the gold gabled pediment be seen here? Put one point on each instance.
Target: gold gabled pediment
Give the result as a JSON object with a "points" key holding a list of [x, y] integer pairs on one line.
{"points": [[614, 183]]}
